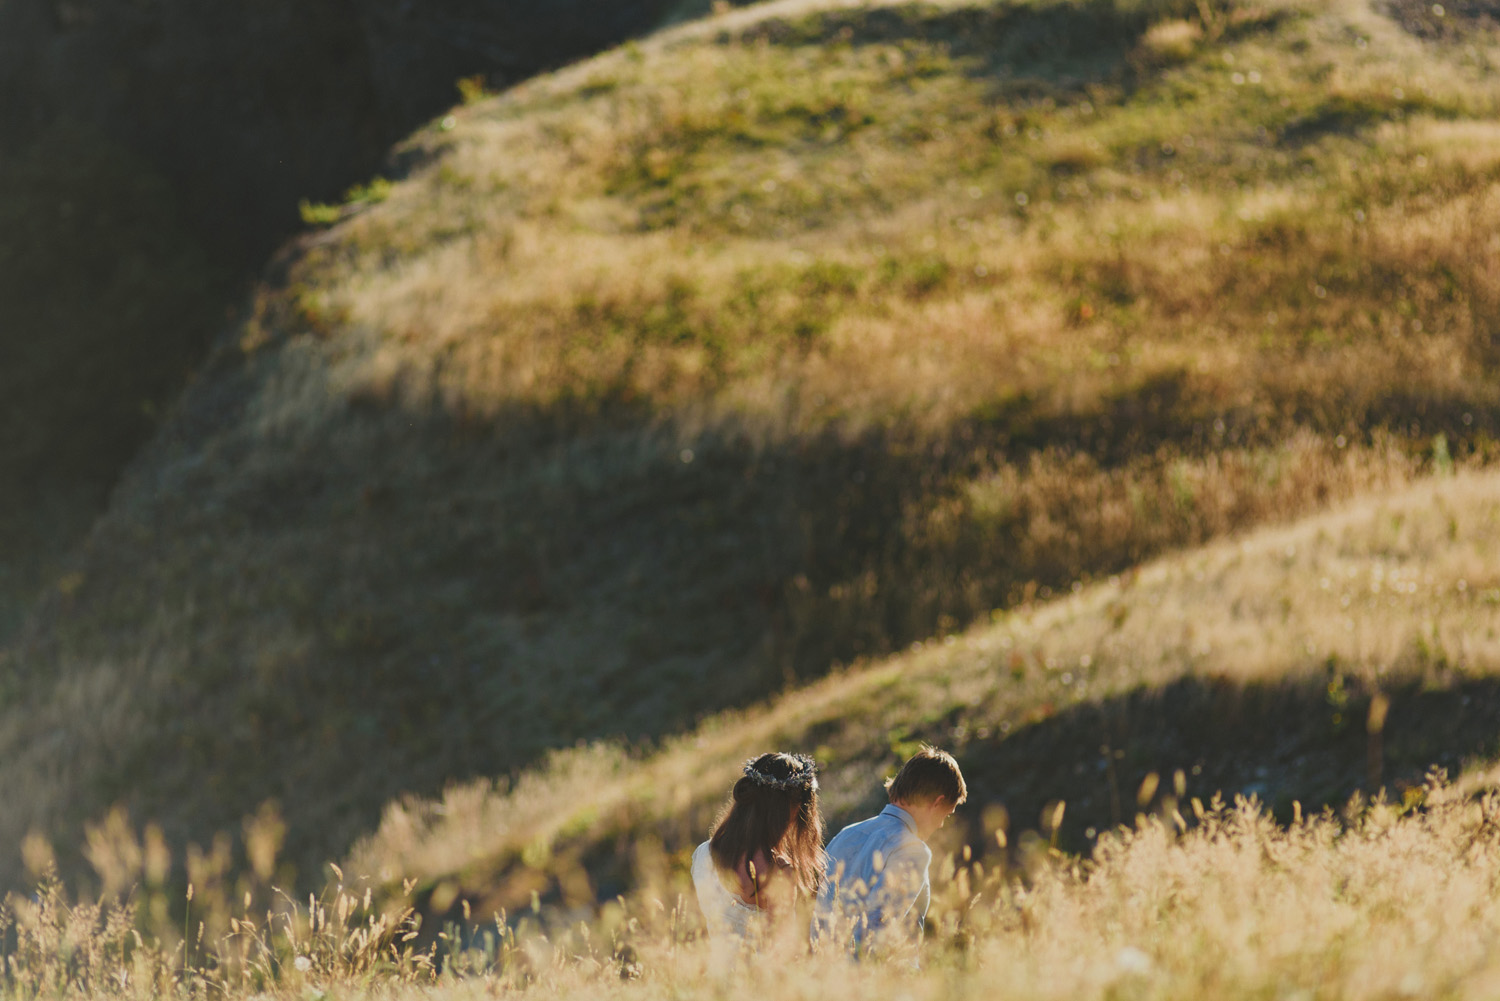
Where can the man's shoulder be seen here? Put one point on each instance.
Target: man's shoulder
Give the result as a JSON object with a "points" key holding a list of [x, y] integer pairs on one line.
{"points": [[851, 835], [883, 832]]}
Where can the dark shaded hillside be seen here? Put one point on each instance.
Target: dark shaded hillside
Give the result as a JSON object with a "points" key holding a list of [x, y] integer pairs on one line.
{"points": [[247, 107], [151, 156], [106, 303]]}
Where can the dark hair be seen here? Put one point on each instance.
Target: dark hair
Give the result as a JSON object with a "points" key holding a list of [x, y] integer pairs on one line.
{"points": [[929, 773], [773, 810]]}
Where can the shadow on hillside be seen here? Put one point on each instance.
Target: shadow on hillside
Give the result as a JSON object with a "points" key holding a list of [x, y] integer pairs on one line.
{"points": [[436, 597], [1309, 743], [1028, 50], [1451, 23], [151, 156], [1047, 49], [210, 123]]}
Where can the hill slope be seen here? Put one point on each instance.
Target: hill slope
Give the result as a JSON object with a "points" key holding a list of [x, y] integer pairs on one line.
{"points": [[151, 157], [1249, 665], [785, 339]]}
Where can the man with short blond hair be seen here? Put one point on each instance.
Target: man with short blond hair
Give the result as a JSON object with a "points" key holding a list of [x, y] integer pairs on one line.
{"points": [[877, 889]]}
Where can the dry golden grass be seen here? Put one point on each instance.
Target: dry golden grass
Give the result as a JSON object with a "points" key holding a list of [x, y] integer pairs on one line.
{"points": [[786, 255], [1379, 901], [1383, 905]]}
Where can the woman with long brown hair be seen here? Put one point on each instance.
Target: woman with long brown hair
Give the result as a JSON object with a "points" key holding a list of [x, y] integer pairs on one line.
{"points": [[766, 850]]}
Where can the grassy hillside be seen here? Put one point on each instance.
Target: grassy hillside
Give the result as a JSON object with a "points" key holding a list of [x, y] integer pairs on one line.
{"points": [[1249, 666], [1202, 895], [151, 157], [780, 341]]}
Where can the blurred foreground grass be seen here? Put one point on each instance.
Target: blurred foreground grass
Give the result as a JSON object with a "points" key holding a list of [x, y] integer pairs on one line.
{"points": [[1377, 901]]}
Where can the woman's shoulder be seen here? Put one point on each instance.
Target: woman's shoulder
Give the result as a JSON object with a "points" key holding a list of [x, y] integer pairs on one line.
{"points": [[762, 865], [707, 878]]}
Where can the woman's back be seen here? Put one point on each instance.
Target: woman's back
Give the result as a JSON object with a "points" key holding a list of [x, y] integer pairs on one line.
{"points": [[727, 916], [766, 850]]}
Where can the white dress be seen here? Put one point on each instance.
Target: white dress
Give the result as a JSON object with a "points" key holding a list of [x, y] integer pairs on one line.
{"points": [[730, 920]]}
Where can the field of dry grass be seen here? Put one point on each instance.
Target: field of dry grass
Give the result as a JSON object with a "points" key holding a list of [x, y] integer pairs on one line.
{"points": [[1375, 901], [1385, 903], [756, 352]]}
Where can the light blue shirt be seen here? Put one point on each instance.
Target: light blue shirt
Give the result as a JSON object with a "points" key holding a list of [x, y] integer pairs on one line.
{"points": [[877, 886]]}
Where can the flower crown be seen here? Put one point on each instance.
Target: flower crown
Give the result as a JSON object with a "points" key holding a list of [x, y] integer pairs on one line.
{"points": [[804, 775]]}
